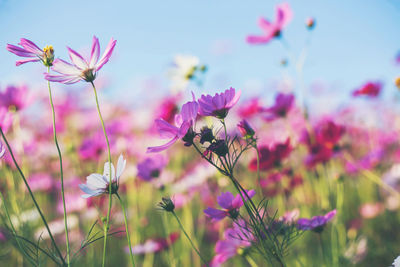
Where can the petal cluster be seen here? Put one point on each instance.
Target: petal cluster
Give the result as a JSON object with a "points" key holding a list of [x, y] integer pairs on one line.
{"points": [[27, 49], [316, 223], [219, 104]]}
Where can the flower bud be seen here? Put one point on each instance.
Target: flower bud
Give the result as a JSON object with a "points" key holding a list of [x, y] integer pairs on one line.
{"points": [[167, 204], [206, 135], [245, 129], [310, 23], [219, 147], [48, 56]]}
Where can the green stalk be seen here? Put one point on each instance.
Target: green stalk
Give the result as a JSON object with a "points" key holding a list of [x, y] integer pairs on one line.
{"points": [[33, 197], [13, 230], [190, 240], [61, 169], [126, 229], [106, 226]]}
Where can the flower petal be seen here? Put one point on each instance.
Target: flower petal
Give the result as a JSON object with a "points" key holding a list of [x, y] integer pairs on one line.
{"points": [[77, 59], [162, 147], [94, 56], [30, 46], [106, 55]]}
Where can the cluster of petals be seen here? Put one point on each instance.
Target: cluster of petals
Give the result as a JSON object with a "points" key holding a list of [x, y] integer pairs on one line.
{"points": [[235, 239], [271, 30], [27, 49], [271, 156], [97, 184], [183, 121], [371, 89], [81, 69], [316, 223], [219, 104], [283, 104], [229, 204]]}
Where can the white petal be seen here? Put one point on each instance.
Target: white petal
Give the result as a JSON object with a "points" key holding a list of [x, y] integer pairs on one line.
{"points": [[106, 173], [120, 166], [96, 181]]}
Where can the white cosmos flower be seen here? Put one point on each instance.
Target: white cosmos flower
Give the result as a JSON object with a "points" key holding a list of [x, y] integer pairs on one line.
{"points": [[181, 72], [97, 184], [396, 262]]}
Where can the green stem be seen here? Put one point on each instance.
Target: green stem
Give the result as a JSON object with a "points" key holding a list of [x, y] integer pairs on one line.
{"points": [[190, 240], [61, 169], [13, 230], [126, 229], [106, 226], [33, 197]]}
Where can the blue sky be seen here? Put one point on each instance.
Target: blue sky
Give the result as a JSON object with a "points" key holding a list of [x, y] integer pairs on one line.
{"points": [[354, 41]]}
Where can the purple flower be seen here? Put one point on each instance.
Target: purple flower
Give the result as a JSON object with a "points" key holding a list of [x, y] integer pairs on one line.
{"points": [[32, 52], [282, 106], [151, 168], [80, 69], [235, 240], [97, 184], [316, 223], [230, 206], [183, 122], [219, 104]]}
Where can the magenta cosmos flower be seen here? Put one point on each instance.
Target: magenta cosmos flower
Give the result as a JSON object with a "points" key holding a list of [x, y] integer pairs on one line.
{"points": [[230, 206], [271, 30], [32, 52], [316, 223], [283, 104], [219, 104], [371, 89], [183, 122], [80, 69]]}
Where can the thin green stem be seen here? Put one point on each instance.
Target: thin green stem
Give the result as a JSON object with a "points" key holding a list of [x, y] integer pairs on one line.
{"points": [[61, 169], [33, 198], [190, 240], [106, 226], [126, 229], [13, 230]]}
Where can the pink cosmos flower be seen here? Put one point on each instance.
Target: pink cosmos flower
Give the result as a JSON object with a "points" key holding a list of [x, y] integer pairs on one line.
{"points": [[14, 97], [250, 108], [272, 156], [32, 52], [183, 122], [283, 104], [371, 89], [219, 104], [230, 206], [80, 69], [151, 168], [316, 223], [97, 184], [235, 239], [270, 30]]}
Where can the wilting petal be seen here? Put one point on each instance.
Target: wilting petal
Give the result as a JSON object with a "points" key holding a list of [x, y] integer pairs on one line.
{"points": [[106, 55]]}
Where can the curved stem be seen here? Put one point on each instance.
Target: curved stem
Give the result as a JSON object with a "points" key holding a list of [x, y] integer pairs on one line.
{"points": [[126, 229], [106, 226], [61, 169], [33, 198], [190, 240]]}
